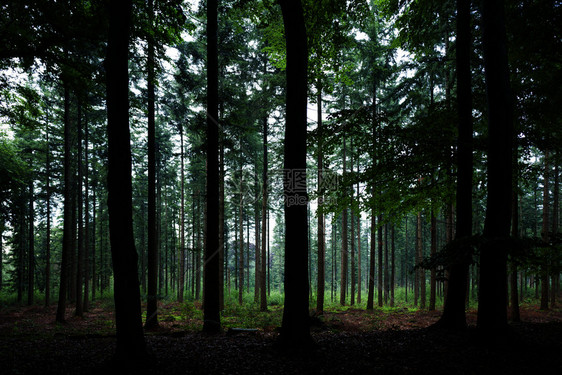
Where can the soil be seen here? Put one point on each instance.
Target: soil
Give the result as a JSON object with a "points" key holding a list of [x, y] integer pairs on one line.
{"points": [[347, 342]]}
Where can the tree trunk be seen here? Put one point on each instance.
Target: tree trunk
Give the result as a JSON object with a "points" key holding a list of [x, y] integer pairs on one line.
{"points": [[48, 229], [241, 238], [264, 242], [321, 224], [130, 338], [392, 265], [222, 251], [182, 254], [152, 269], [371, 291], [555, 213], [386, 266], [454, 315], [433, 251], [211, 298], [86, 224], [31, 252], [344, 255], [544, 232], [80, 260], [358, 252], [380, 261], [67, 210], [492, 315], [295, 329]]}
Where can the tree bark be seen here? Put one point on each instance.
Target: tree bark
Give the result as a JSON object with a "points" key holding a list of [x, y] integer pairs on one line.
{"points": [[492, 314], [295, 329], [371, 291], [67, 210], [454, 315], [344, 254], [211, 300], [264, 242], [130, 338], [152, 267], [321, 224], [544, 232]]}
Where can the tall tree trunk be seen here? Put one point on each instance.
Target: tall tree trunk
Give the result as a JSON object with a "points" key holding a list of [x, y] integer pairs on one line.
{"points": [[222, 251], [321, 283], [181, 279], [344, 254], [130, 338], [358, 250], [492, 314], [454, 316], [544, 232], [433, 275], [515, 316], [211, 300], [555, 213], [418, 253], [386, 266], [380, 261], [48, 229], [241, 238], [152, 269], [352, 271], [371, 291], [31, 246], [264, 241], [392, 265], [295, 329], [86, 223], [80, 260], [67, 210]]}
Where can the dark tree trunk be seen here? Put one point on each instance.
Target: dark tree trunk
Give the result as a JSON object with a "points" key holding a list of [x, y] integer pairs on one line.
{"points": [[492, 314], [31, 252], [454, 316], [86, 223], [211, 300], [80, 260], [181, 278], [241, 246], [386, 266], [392, 265], [152, 269], [344, 254], [264, 242], [321, 283], [222, 250], [295, 329], [515, 315], [433, 275], [67, 210], [544, 232], [130, 337], [380, 262], [555, 213], [358, 250], [48, 229], [371, 291]]}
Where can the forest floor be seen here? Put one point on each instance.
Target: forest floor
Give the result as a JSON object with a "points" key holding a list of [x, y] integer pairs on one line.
{"points": [[349, 341]]}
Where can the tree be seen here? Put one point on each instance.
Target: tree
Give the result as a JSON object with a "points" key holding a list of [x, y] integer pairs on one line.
{"points": [[295, 329], [492, 314], [211, 304], [130, 337], [454, 316], [152, 301]]}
